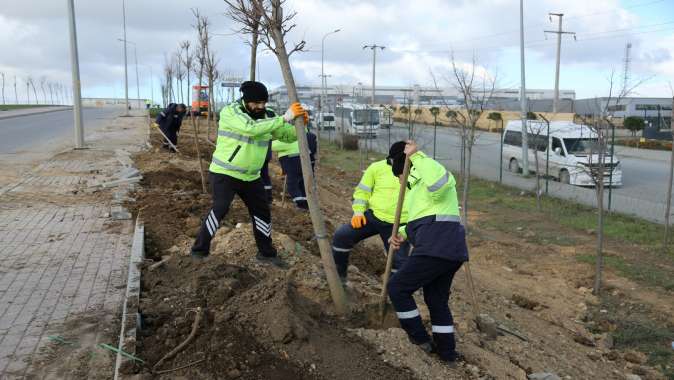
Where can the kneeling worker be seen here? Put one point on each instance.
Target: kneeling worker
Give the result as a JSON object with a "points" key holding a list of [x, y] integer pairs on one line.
{"points": [[434, 229], [244, 132], [374, 206], [289, 157]]}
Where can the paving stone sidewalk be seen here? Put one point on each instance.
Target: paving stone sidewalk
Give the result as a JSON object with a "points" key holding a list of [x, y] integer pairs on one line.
{"points": [[64, 253]]}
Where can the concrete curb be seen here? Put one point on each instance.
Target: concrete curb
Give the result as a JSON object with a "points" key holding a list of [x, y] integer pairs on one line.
{"points": [[34, 113], [130, 313]]}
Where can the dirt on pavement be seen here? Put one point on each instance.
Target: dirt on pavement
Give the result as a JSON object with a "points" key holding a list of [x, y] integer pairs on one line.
{"points": [[261, 322]]}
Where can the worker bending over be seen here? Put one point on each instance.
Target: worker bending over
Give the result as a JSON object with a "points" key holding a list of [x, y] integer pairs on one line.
{"points": [[289, 157], [374, 206], [246, 126], [170, 120], [434, 229]]}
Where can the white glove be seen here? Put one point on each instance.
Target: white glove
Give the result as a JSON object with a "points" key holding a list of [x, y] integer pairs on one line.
{"points": [[289, 116]]}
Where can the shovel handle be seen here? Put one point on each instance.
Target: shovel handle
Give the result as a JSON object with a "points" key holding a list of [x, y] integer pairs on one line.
{"points": [[396, 225]]}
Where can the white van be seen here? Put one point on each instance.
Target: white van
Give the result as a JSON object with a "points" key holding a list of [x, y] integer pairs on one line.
{"points": [[326, 121], [358, 120], [572, 151]]}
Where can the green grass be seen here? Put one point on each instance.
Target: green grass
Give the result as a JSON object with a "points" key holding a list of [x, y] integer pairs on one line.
{"points": [[636, 270], [11, 107], [347, 160], [571, 215]]}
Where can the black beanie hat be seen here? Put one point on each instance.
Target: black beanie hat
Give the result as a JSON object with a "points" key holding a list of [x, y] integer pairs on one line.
{"points": [[254, 92], [396, 157]]}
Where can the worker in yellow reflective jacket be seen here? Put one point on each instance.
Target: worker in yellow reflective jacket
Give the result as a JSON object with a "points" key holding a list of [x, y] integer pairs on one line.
{"points": [[374, 205], [439, 249], [246, 126]]}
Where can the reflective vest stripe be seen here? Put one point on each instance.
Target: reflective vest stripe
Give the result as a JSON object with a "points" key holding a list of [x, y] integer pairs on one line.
{"points": [[243, 138], [364, 188], [235, 168], [447, 218], [440, 183]]}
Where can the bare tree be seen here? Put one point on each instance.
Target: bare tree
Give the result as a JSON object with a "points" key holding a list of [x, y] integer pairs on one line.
{"points": [[476, 91], [538, 141], [43, 81], [268, 17], [200, 56], [16, 93], [32, 84], [28, 80], [180, 75], [50, 85], [668, 208]]}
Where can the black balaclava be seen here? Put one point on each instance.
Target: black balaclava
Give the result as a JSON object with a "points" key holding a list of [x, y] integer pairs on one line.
{"points": [[396, 158], [254, 92]]}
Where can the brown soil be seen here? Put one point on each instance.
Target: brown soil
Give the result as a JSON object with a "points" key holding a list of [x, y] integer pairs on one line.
{"points": [[263, 322]]}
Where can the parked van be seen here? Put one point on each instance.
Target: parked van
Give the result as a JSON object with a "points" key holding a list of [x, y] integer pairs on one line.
{"points": [[357, 119], [326, 121], [572, 151]]}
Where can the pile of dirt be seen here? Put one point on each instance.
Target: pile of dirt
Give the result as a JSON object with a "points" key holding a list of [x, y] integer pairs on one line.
{"points": [[265, 322]]}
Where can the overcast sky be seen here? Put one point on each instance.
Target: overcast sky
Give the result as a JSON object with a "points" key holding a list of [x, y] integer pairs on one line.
{"points": [[418, 36]]}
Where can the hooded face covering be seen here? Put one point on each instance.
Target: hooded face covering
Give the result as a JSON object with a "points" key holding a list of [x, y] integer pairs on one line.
{"points": [[254, 92]]}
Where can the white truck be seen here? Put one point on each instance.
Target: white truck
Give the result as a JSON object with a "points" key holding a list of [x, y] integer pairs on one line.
{"points": [[572, 150], [326, 121], [357, 119]]}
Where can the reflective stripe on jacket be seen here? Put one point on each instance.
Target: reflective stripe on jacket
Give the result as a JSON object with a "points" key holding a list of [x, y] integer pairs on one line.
{"points": [[242, 144], [432, 191], [378, 191]]}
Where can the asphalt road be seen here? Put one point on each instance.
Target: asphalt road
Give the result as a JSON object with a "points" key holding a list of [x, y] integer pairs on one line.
{"points": [[643, 179], [53, 130]]}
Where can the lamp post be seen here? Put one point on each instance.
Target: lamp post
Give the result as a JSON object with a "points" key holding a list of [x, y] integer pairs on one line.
{"points": [[126, 74], [74, 62], [135, 57], [323, 89]]}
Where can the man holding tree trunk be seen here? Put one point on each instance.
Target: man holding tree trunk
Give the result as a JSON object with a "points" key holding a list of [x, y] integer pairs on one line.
{"points": [[245, 129], [435, 231]]}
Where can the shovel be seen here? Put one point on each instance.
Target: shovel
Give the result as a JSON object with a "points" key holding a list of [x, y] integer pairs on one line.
{"points": [[396, 225]]}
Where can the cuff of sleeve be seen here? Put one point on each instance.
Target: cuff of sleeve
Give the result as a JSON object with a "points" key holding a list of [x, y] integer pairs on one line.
{"points": [[402, 232], [358, 213], [417, 156]]}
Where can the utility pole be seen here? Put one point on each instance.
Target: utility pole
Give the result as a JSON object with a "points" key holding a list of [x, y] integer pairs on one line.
{"points": [[74, 63], [558, 32], [323, 84], [151, 87], [374, 65], [523, 98], [126, 75]]}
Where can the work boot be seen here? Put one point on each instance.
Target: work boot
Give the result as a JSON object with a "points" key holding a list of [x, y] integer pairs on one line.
{"points": [[198, 256], [273, 260], [428, 347]]}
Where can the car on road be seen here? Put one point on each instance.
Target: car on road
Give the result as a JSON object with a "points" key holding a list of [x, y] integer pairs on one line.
{"points": [[357, 119], [573, 151]]}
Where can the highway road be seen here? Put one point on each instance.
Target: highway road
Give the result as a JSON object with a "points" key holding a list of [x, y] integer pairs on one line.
{"points": [[644, 179], [53, 131]]}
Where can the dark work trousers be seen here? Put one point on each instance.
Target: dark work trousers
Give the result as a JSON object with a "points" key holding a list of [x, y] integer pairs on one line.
{"points": [[292, 167], [266, 180], [252, 194], [346, 237], [172, 135], [435, 276]]}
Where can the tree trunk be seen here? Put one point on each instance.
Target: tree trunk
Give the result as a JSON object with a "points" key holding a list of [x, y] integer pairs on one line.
{"points": [[599, 265], [317, 219], [466, 189], [538, 180], [253, 53], [668, 209], [195, 127]]}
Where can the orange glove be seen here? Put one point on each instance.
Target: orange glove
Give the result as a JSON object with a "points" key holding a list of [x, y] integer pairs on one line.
{"points": [[295, 111], [358, 221]]}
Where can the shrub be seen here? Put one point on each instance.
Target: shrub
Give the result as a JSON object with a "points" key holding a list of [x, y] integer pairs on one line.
{"points": [[350, 142]]}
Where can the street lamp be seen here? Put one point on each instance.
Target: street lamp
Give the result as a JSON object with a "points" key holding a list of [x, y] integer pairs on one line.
{"points": [[135, 57], [74, 62], [126, 75], [323, 89]]}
